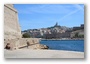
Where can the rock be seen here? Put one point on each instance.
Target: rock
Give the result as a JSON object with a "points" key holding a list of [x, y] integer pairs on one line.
{"points": [[43, 46], [46, 47], [8, 46]]}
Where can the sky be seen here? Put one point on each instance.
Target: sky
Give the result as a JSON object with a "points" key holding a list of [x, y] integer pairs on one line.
{"points": [[35, 16]]}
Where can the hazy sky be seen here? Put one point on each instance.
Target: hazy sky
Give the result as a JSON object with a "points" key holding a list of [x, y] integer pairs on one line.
{"points": [[45, 15]]}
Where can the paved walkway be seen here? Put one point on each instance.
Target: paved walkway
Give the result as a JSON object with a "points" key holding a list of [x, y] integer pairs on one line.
{"points": [[27, 53]]}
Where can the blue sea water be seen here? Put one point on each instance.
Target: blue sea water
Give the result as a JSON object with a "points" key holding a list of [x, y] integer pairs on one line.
{"points": [[70, 45]]}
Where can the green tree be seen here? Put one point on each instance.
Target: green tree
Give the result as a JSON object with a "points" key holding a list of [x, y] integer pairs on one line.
{"points": [[76, 35], [26, 35], [81, 36]]}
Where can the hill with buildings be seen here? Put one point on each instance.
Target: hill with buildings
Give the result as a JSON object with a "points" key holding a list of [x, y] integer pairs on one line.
{"points": [[55, 32]]}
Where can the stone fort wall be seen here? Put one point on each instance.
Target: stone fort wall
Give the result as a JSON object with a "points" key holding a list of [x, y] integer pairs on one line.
{"points": [[12, 31], [11, 25]]}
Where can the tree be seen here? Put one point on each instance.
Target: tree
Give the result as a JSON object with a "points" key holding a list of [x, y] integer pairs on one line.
{"points": [[76, 35], [81, 36], [26, 35]]}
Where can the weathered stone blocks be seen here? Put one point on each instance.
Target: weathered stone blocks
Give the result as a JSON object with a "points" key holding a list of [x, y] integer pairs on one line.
{"points": [[11, 25]]}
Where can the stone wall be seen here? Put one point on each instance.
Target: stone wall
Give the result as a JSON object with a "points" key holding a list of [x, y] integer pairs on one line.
{"points": [[22, 43], [11, 25]]}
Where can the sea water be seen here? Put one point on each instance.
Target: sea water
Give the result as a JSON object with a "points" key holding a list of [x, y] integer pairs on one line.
{"points": [[70, 45]]}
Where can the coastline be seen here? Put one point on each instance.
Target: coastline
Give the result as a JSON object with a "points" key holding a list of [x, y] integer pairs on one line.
{"points": [[27, 53], [64, 39]]}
